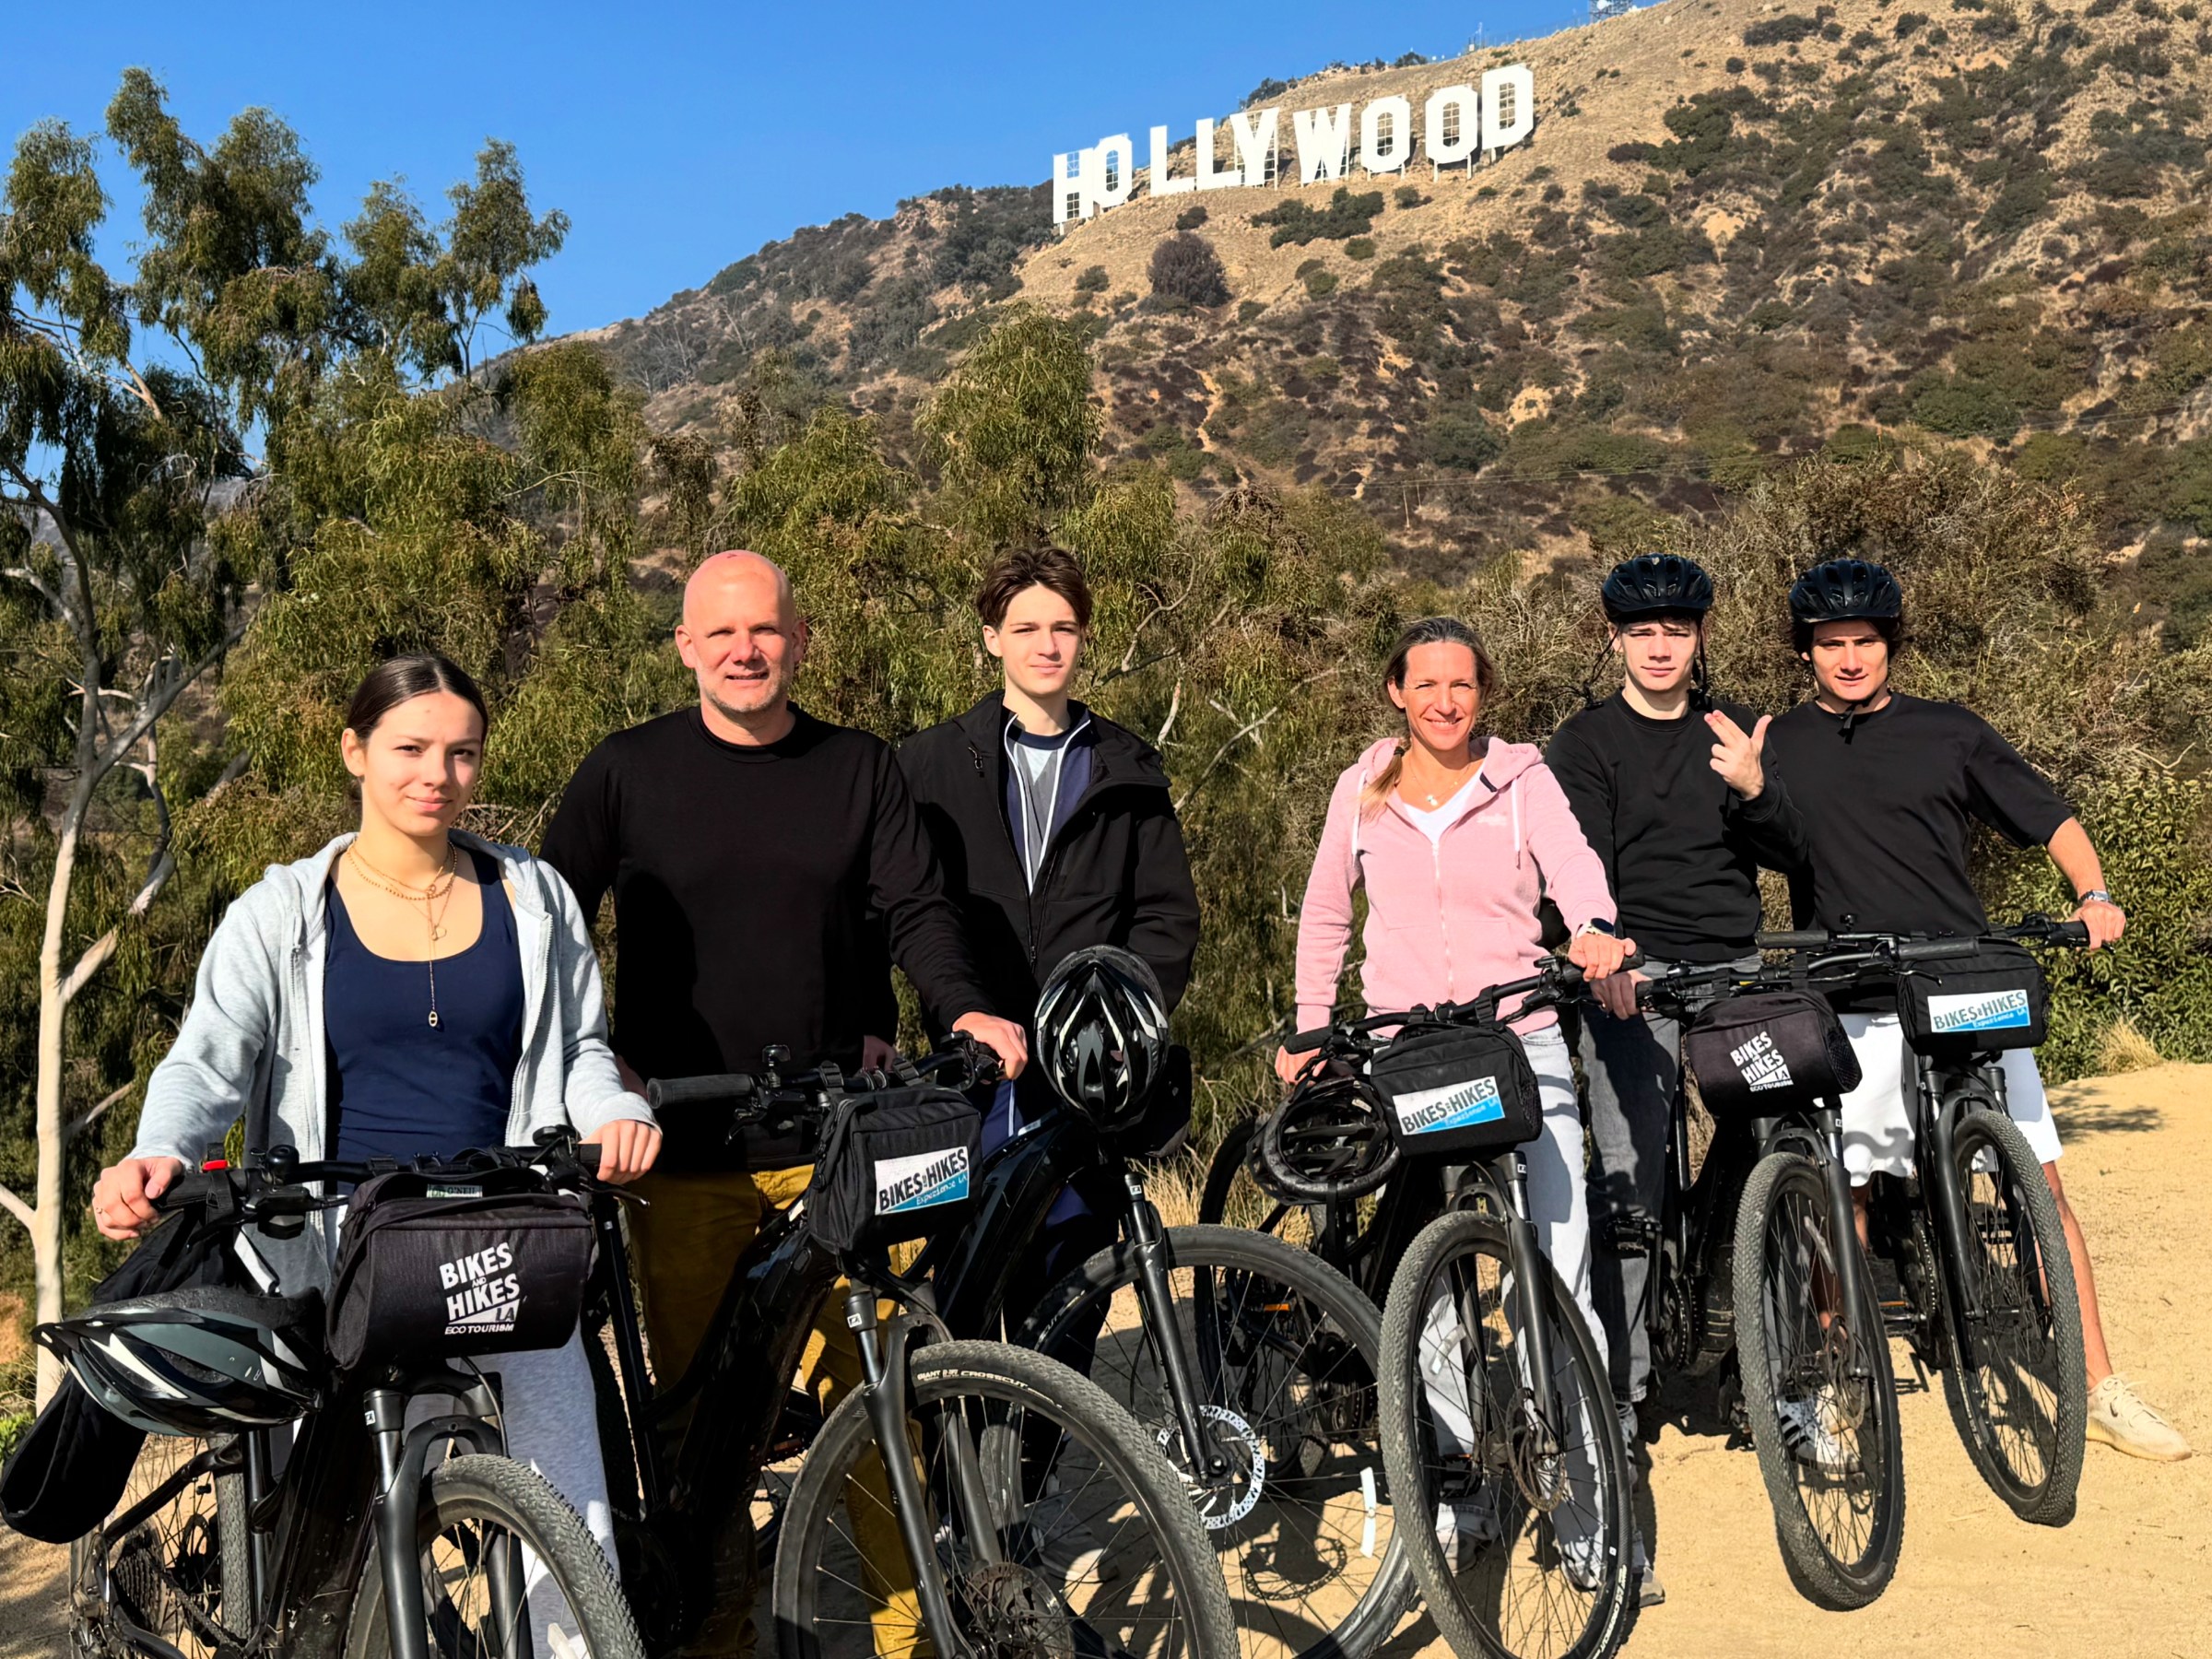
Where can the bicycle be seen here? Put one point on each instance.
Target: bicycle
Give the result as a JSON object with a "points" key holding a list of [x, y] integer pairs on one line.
{"points": [[1250, 1361], [1497, 1414], [1986, 1280], [982, 1527], [324, 1530]]}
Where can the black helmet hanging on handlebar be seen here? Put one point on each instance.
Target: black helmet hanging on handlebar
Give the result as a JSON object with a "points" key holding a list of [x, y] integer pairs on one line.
{"points": [[196, 1362], [1656, 584], [1102, 1033]]}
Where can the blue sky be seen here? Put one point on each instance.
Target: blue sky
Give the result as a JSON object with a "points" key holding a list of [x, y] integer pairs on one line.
{"points": [[680, 137]]}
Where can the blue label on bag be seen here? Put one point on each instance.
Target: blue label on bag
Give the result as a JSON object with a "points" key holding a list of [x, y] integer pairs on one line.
{"points": [[1454, 1106], [922, 1182], [1983, 1011]]}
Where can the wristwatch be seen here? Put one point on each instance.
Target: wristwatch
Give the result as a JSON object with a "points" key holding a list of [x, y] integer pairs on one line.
{"points": [[1598, 924], [2097, 896]]}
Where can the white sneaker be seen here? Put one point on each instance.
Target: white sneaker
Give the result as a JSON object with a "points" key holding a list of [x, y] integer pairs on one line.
{"points": [[1808, 1429], [2124, 1420], [1585, 1562]]}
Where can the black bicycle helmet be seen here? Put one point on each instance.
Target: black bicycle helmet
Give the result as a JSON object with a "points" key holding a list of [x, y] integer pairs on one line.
{"points": [[1846, 590], [1102, 1033], [1654, 584], [196, 1362]]}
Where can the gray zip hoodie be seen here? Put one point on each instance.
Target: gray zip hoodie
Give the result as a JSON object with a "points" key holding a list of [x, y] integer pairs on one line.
{"points": [[253, 1039]]}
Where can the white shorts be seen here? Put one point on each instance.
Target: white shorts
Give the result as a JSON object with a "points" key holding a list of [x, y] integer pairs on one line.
{"points": [[1877, 1115]]}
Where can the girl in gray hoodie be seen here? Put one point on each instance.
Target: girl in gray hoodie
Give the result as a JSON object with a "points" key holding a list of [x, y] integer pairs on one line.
{"points": [[408, 990]]}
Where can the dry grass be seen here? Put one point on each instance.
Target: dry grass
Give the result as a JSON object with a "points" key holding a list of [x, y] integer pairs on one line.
{"points": [[2124, 1048]]}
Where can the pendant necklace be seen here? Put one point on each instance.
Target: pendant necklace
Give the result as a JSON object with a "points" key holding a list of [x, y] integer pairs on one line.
{"points": [[433, 912]]}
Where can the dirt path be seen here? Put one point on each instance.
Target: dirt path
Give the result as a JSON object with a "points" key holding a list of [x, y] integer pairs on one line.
{"points": [[2131, 1578]]}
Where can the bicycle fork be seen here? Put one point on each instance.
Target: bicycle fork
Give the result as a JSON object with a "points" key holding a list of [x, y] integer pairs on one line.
{"points": [[1529, 1269], [1157, 1300], [1850, 1265], [1939, 1185], [883, 1387], [401, 1456]]}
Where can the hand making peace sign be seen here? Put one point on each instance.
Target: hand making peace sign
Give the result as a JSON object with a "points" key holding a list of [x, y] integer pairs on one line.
{"points": [[1736, 757]]}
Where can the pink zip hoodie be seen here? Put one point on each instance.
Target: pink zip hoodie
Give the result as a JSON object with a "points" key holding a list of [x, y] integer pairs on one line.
{"points": [[1448, 919]]}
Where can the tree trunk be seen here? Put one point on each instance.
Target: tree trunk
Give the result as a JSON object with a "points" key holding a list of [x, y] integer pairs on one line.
{"points": [[53, 1012]]}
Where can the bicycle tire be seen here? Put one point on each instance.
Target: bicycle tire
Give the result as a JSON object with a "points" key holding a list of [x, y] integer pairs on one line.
{"points": [[1792, 1178], [994, 1373], [2040, 1308], [1409, 1434], [191, 1559], [516, 1499], [1342, 1345]]}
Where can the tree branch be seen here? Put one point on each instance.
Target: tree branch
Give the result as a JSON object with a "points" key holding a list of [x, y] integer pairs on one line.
{"points": [[17, 1207], [85, 1120]]}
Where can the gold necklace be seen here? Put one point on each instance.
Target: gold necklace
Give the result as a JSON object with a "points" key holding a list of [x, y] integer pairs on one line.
{"points": [[441, 887]]}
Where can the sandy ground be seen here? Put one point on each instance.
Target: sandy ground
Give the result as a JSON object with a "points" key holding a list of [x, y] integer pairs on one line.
{"points": [[2131, 1577]]}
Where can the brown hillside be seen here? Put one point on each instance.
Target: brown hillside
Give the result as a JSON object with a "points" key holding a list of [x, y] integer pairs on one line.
{"points": [[1740, 230]]}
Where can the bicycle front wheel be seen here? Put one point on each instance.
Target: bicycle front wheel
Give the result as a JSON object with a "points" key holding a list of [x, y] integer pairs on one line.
{"points": [[503, 1557], [1515, 1509], [1094, 1545], [1818, 1387], [2022, 1406], [1282, 1350]]}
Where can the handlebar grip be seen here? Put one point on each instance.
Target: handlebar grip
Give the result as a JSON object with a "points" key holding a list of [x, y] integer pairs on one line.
{"points": [[2070, 933], [1811, 938], [191, 1187], [1305, 1042], [688, 1091], [1937, 950], [587, 1156]]}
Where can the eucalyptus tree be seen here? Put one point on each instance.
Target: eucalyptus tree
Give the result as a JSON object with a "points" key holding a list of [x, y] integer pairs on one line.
{"points": [[151, 418]]}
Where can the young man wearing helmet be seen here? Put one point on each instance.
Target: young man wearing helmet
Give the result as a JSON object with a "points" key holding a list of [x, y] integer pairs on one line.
{"points": [[1057, 833], [1888, 785], [1675, 794]]}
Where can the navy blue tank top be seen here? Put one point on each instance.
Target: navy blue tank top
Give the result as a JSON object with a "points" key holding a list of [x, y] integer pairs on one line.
{"points": [[399, 1087]]}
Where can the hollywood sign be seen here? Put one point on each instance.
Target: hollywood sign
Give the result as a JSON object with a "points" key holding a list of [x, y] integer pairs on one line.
{"points": [[1459, 124]]}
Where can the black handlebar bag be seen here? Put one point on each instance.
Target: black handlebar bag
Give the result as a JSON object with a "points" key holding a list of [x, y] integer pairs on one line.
{"points": [[1459, 1093], [1992, 999], [895, 1164], [434, 1268], [1769, 1053]]}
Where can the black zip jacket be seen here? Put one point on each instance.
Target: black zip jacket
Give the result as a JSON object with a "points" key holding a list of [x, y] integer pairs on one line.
{"points": [[1115, 872]]}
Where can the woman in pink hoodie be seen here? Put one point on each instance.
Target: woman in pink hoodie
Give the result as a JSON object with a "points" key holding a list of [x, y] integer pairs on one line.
{"points": [[1456, 846]]}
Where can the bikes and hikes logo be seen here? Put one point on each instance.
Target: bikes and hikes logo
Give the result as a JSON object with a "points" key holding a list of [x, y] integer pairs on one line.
{"points": [[1454, 1106], [1981, 1011], [1762, 1063], [921, 1181], [481, 1294]]}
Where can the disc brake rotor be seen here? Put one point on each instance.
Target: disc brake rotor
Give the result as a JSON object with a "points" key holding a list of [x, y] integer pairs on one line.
{"points": [[1226, 1498]]}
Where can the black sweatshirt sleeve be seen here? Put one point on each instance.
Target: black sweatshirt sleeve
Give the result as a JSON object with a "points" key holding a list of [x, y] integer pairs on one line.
{"points": [[1589, 788], [907, 890], [1165, 931], [582, 844], [1771, 823]]}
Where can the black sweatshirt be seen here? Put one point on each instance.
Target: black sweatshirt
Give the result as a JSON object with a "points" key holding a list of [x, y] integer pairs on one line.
{"points": [[1681, 849], [755, 891], [1888, 798]]}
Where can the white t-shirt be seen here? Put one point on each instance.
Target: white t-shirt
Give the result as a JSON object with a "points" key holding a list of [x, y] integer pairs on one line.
{"points": [[1433, 821]]}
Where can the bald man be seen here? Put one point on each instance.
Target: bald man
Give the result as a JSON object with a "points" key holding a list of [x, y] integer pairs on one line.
{"points": [[760, 860]]}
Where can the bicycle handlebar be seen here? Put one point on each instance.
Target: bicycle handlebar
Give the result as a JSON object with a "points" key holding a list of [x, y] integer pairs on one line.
{"points": [[753, 1097], [1554, 982], [275, 1182]]}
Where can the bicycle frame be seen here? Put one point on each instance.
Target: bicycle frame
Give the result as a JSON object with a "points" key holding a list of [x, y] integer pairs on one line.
{"points": [[1941, 1094]]}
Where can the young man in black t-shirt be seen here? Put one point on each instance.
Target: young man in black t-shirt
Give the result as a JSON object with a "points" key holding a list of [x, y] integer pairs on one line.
{"points": [[1672, 791], [767, 869], [1888, 786]]}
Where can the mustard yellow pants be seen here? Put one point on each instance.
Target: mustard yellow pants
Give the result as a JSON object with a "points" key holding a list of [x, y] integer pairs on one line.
{"points": [[685, 1240]]}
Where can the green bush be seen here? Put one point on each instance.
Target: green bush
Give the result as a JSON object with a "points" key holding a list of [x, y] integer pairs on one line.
{"points": [[1779, 31], [1458, 437], [1360, 247], [1321, 283], [2152, 831], [1191, 217], [1092, 279], [1346, 215], [12, 1427]]}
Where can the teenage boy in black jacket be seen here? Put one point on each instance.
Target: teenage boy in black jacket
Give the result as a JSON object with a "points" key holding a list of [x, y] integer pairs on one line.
{"points": [[1673, 792], [1055, 831]]}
